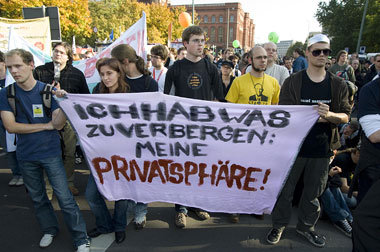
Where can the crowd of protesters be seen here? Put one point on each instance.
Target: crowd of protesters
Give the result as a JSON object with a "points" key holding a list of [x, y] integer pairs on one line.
{"points": [[338, 165]]}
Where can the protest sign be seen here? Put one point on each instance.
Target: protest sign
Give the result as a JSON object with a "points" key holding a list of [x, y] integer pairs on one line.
{"points": [[220, 157]]}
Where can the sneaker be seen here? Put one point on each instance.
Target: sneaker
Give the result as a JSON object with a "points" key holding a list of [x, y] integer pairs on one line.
{"points": [[203, 215], [234, 218], [314, 238], [74, 190], [344, 226], [13, 181], [274, 235], [20, 182], [350, 222], [84, 247], [180, 220], [139, 226], [46, 240]]}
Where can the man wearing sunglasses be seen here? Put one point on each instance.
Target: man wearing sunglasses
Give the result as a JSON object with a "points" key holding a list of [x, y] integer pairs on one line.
{"points": [[329, 94]]}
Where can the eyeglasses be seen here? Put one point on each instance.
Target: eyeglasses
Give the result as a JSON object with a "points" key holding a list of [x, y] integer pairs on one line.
{"points": [[198, 41], [155, 56], [317, 52]]}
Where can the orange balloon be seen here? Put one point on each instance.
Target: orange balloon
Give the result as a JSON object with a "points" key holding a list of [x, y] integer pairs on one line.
{"points": [[184, 19]]}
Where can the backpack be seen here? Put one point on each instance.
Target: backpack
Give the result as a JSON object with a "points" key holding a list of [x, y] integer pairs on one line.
{"points": [[46, 98]]}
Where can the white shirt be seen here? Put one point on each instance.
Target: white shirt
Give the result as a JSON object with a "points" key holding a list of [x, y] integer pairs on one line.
{"points": [[278, 72], [159, 76]]}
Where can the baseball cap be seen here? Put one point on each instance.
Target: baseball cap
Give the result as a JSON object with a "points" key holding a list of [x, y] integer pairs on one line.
{"points": [[227, 63], [317, 39]]}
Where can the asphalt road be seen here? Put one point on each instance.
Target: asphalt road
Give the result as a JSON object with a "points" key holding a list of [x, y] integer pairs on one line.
{"points": [[19, 230]]}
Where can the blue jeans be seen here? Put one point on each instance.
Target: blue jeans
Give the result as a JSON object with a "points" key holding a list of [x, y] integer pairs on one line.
{"points": [[351, 202], [13, 164], [104, 222], [32, 172], [141, 209], [180, 209], [335, 205]]}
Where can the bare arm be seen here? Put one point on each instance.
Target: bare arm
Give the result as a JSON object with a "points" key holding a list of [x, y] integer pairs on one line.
{"points": [[12, 126], [58, 119], [329, 116], [345, 187], [375, 137]]}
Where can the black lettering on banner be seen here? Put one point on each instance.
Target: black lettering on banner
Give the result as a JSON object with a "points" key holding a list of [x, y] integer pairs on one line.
{"points": [[116, 112], [93, 108], [147, 111], [196, 111], [140, 146], [237, 134], [255, 115], [157, 127], [102, 129], [196, 149], [225, 117], [93, 127], [177, 109], [208, 130], [190, 131], [81, 112], [253, 133], [176, 131], [139, 131], [228, 133], [283, 120], [178, 147], [125, 131], [160, 151]]}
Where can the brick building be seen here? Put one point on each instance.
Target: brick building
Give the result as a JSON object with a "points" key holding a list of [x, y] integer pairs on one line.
{"points": [[221, 19]]}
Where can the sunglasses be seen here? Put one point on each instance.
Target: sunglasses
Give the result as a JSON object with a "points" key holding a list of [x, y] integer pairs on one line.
{"points": [[317, 52]]}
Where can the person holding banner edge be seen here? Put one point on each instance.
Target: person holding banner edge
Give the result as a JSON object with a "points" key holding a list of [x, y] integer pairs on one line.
{"points": [[313, 86], [193, 77]]}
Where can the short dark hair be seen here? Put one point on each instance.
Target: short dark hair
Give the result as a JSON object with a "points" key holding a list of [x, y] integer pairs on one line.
{"points": [[159, 50], [68, 49], [377, 55], [191, 30], [26, 56], [299, 51], [181, 49], [2, 57], [340, 53]]}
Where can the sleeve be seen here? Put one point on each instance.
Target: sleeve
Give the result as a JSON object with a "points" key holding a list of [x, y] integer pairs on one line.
{"points": [[83, 84], [368, 101], [276, 92], [284, 75], [370, 124], [54, 105], [217, 84], [169, 79], [4, 104], [287, 95], [351, 74], [344, 106], [233, 93]]}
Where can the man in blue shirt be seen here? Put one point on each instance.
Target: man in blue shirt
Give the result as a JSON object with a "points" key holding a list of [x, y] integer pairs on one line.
{"points": [[38, 149]]}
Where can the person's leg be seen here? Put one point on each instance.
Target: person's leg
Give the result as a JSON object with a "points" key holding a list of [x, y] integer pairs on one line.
{"points": [[180, 216], [120, 214], [180, 209], [33, 180], [331, 206], [339, 198], [141, 210], [282, 210], [13, 164], [351, 202], [69, 141], [103, 219], [366, 179], [71, 213]]}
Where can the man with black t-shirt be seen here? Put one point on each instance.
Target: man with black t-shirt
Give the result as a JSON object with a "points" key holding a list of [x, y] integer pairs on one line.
{"points": [[329, 94], [197, 78]]}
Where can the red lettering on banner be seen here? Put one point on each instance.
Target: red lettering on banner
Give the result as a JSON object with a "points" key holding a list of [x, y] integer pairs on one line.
{"points": [[155, 171], [135, 167], [202, 174], [90, 67], [117, 169], [165, 163], [131, 38], [96, 162], [249, 179], [173, 167], [223, 170], [238, 177], [267, 172], [189, 171]]}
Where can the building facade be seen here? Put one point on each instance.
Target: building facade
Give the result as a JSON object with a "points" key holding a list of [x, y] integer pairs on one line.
{"points": [[224, 23], [283, 46]]}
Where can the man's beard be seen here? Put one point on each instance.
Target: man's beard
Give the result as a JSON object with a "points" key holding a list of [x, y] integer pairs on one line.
{"points": [[258, 69]]}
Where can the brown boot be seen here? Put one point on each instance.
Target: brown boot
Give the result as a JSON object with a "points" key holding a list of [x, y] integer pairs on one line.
{"points": [[180, 220]]}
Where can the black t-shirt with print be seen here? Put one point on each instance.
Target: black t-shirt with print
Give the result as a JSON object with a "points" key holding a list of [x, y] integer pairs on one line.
{"points": [[317, 142], [198, 80]]}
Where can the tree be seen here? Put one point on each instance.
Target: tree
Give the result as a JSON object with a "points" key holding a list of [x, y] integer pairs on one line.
{"points": [[341, 21], [297, 44], [74, 15]]}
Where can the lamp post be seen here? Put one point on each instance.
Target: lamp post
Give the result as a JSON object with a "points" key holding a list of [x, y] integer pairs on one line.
{"points": [[228, 26], [362, 26], [193, 11]]}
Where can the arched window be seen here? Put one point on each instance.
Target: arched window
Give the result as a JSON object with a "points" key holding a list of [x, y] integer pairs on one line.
{"points": [[220, 34], [221, 19], [213, 20], [212, 34], [232, 18], [205, 19]]}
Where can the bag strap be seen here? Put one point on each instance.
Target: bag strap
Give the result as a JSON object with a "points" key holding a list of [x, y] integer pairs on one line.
{"points": [[46, 98]]}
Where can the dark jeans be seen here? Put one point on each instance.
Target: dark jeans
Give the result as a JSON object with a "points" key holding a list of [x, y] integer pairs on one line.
{"points": [[32, 172], [334, 205], [315, 178]]}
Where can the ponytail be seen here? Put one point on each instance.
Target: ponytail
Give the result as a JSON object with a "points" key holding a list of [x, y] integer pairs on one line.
{"points": [[140, 65]]}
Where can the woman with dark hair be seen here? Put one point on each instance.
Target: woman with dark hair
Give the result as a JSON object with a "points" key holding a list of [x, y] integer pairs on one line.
{"points": [[139, 79], [112, 81], [300, 62]]}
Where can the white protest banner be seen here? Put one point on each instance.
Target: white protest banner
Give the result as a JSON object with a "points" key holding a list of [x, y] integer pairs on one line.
{"points": [[135, 36], [220, 157], [35, 31]]}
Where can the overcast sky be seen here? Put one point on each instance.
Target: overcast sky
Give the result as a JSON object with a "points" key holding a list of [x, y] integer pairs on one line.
{"points": [[290, 19]]}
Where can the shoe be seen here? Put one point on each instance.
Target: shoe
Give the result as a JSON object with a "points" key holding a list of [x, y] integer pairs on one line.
{"points": [[74, 190], [13, 181], [20, 182], [180, 220], [344, 226], [139, 226], [119, 236], [314, 238], [274, 235], [203, 215], [234, 218], [350, 222], [258, 216], [84, 247], [93, 233], [50, 195], [46, 240]]}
